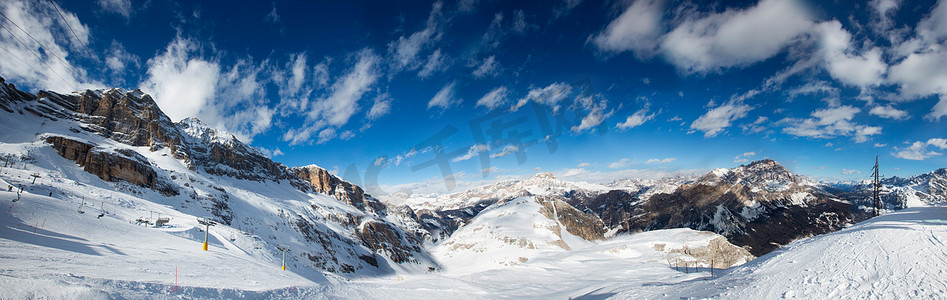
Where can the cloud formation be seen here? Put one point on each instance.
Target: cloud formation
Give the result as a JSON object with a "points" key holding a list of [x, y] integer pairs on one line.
{"points": [[638, 118], [444, 98], [495, 98], [830, 122], [717, 119], [920, 150]]}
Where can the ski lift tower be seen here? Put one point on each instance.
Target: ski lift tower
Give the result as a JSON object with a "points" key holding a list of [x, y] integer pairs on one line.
{"points": [[876, 190], [208, 223], [283, 249]]}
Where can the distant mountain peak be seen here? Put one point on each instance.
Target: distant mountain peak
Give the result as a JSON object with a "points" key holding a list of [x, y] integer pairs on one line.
{"points": [[196, 128]]}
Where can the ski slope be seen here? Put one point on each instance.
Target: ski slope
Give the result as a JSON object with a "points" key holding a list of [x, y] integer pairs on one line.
{"points": [[76, 255]]}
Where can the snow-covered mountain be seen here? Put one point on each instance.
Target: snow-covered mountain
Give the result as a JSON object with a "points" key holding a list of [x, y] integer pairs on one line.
{"points": [[760, 205], [440, 216], [108, 164], [116, 149]]}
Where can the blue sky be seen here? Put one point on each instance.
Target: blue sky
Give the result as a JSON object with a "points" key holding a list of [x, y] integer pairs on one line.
{"points": [[391, 93]]}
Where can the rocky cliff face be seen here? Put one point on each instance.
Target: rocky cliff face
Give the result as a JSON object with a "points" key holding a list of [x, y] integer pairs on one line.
{"points": [[110, 166], [578, 223], [324, 182]]}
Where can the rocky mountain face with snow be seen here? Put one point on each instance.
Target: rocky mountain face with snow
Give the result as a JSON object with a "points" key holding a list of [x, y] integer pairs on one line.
{"points": [[896, 192], [759, 206], [439, 218], [123, 138]]}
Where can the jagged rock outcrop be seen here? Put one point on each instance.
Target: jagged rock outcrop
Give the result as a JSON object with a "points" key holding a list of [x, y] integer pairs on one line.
{"points": [[586, 226], [110, 166], [131, 118], [324, 182], [385, 238], [9, 94], [614, 208]]}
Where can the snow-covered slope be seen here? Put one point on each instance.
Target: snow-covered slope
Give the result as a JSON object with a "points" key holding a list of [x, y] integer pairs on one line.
{"points": [[901, 255], [116, 149]]}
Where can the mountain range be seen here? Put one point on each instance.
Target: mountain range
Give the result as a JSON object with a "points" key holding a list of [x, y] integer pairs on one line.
{"points": [[118, 140]]}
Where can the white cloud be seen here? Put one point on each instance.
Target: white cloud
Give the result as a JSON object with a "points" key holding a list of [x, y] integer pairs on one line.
{"points": [[858, 70], [380, 161], [550, 95], [519, 22], [239, 105], [380, 107], [814, 88], [884, 6], [51, 68], [326, 135], [595, 106], [637, 29], [342, 102], [489, 68], [757, 126], [742, 158], [466, 6], [889, 112], [118, 59], [659, 161], [923, 74], [735, 37], [939, 109], [621, 163], [405, 50], [509, 149], [850, 172], [181, 82], [495, 98], [273, 15], [638, 118], [270, 153], [346, 135], [436, 62], [444, 98], [831, 122], [939, 143], [919, 150], [120, 7], [565, 8], [584, 165], [923, 71], [471, 152], [293, 82], [719, 118], [879, 145], [934, 27]]}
